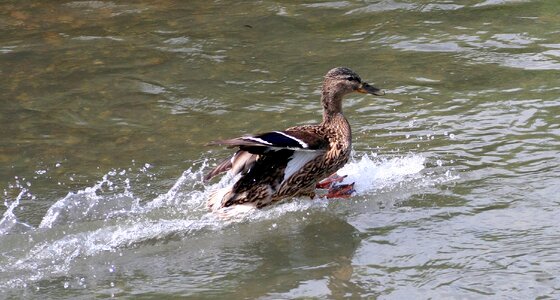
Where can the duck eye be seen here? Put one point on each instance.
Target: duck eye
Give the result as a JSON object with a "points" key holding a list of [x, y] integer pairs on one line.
{"points": [[352, 78]]}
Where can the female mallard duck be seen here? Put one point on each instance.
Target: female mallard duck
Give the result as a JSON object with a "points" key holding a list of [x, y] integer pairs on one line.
{"points": [[291, 163]]}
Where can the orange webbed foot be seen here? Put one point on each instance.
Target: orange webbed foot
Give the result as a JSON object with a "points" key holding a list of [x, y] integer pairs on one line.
{"points": [[341, 191], [329, 182]]}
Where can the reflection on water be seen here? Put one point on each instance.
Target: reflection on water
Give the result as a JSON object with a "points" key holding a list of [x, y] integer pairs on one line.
{"points": [[106, 108]]}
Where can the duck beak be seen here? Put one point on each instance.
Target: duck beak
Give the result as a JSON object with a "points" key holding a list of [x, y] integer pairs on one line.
{"points": [[365, 88]]}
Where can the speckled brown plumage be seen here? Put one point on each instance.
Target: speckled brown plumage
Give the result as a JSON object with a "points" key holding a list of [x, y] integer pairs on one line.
{"points": [[281, 164]]}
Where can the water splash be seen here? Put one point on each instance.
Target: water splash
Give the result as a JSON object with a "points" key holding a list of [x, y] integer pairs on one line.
{"points": [[369, 174], [9, 222], [87, 204], [108, 216]]}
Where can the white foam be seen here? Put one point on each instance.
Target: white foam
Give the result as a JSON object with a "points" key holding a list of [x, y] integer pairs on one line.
{"points": [[369, 174], [114, 218]]}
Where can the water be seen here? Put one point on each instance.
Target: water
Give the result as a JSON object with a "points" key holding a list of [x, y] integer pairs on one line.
{"points": [[106, 108]]}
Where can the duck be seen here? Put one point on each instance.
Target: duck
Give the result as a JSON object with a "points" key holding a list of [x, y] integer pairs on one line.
{"points": [[272, 166]]}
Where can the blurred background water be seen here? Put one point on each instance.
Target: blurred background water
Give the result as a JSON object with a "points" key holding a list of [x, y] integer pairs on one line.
{"points": [[105, 109]]}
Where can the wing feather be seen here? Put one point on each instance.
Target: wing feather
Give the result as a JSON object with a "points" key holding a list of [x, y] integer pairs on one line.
{"points": [[241, 162], [297, 161], [291, 139]]}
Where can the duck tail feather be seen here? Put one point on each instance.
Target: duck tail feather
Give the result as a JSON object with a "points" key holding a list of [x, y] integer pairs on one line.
{"points": [[240, 162], [218, 198]]}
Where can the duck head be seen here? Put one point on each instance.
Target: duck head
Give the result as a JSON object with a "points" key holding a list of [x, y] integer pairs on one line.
{"points": [[339, 82]]}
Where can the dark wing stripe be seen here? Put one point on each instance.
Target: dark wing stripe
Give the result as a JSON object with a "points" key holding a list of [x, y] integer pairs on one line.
{"points": [[313, 140], [292, 139], [301, 143], [258, 140], [279, 139]]}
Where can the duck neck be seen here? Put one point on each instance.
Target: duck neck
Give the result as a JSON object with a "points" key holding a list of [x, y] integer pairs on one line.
{"points": [[332, 105]]}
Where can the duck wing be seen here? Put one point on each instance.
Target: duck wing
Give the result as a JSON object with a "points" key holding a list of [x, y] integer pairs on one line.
{"points": [[292, 141], [240, 162]]}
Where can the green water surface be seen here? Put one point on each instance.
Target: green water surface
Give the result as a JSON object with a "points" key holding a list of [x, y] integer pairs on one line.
{"points": [[133, 90]]}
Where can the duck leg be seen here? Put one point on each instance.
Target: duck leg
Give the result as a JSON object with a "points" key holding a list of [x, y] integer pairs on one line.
{"points": [[336, 190], [329, 182], [340, 191]]}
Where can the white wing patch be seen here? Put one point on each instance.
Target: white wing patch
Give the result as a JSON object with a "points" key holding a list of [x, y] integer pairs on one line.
{"points": [[299, 159]]}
